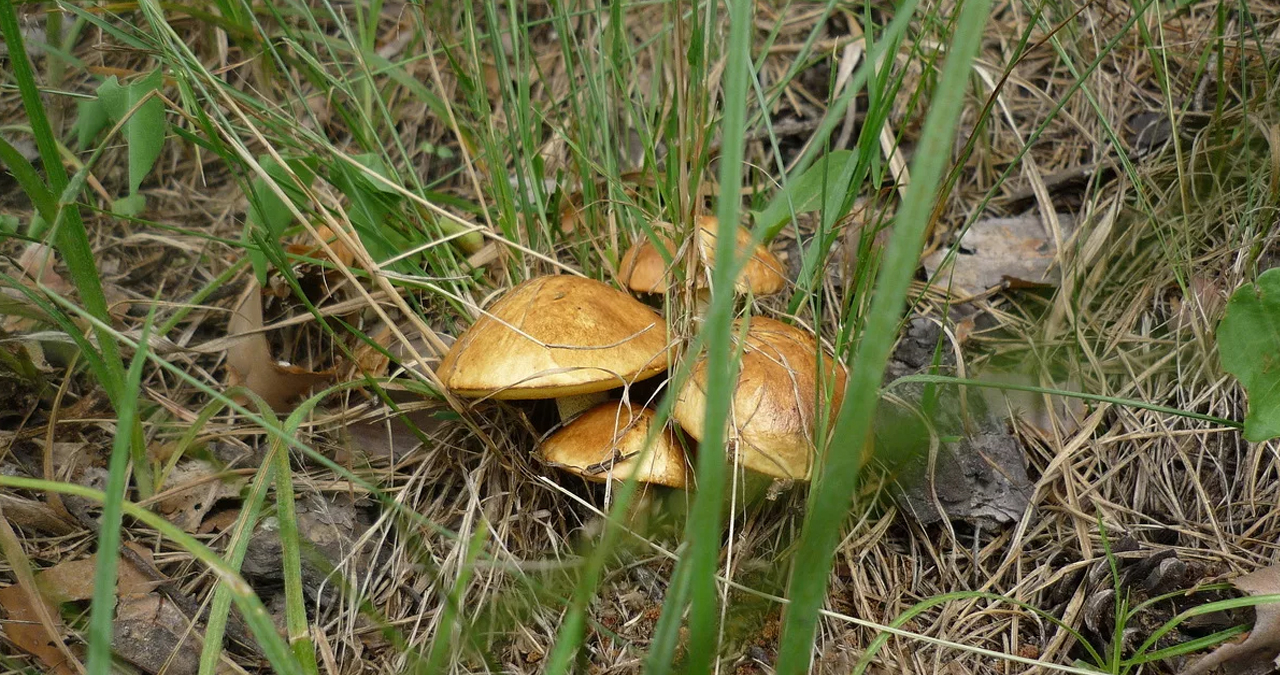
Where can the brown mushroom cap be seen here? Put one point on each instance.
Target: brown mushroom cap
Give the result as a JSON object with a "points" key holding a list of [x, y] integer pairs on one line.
{"points": [[644, 270], [557, 336], [774, 400], [607, 441]]}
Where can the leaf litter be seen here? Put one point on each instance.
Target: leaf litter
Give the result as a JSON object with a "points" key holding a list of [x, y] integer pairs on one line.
{"points": [[1259, 651], [249, 359], [1000, 252]]}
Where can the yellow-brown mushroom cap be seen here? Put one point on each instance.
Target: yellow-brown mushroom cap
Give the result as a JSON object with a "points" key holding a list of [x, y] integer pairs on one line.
{"points": [[608, 441], [644, 270], [774, 406], [557, 336]]}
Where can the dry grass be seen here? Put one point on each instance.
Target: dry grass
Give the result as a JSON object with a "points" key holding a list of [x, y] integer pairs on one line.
{"points": [[1194, 211]]}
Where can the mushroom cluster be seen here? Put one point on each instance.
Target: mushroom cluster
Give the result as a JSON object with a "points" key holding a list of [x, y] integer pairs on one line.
{"points": [[574, 339]]}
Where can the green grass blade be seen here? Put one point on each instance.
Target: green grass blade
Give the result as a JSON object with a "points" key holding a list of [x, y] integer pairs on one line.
{"points": [[70, 239], [250, 512], [839, 468], [250, 606], [299, 632], [29, 181], [1084, 396], [102, 609], [704, 527]]}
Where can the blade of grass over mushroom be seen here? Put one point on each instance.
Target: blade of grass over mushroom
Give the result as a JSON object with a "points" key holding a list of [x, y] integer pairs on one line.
{"points": [[704, 527], [838, 467]]}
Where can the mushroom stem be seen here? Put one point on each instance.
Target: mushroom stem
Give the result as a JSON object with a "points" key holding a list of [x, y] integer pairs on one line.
{"points": [[570, 406]]}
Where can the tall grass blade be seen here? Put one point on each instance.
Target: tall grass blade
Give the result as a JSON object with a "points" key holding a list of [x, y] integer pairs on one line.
{"points": [[102, 609], [70, 238], [704, 527], [250, 605], [838, 471]]}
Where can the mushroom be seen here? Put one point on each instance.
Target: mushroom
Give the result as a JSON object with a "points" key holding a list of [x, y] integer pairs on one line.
{"points": [[608, 441], [775, 400], [644, 270], [564, 337]]}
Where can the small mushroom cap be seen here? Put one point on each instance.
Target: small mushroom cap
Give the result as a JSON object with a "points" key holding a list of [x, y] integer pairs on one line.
{"points": [[774, 406], [607, 441], [556, 336], [644, 270]]}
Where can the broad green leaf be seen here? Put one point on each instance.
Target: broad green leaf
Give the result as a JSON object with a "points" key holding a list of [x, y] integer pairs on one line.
{"points": [[370, 206], [265, 208], [131, 206], [145, 130], [1249, 346], [829, 175], [114, 97], [267, 212], [91, 117]]}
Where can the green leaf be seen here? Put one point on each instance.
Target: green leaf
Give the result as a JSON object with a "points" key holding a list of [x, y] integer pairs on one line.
{"points": [[29, 180], [1249, 346], [91, 117], [114, 97], [269, 216], [145, 130], [131, 206], [371, 204], [829, 175], [265, 208]]}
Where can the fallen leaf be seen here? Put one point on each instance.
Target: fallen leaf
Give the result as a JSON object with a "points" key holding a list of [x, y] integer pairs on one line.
{"points": [[249, 361], [389, 437], [191, 490], [342, 254], [997, 251], [34, 516], [220, 521], [37, 262], [35, 266], [1201, 306], [153, 634], [70, 581], [24, 630], [1258, 652]]}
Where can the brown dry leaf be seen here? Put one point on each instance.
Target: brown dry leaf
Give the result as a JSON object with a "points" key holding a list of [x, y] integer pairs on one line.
{"points": [[34, 516], [36, 263], [1259, 651], [388, 438], [67, 582], [1204, 304], [1018, 251], [369, 360], [24, 630], [249, 361], [191, 490], [220, 521], [342, 254], [153, 634]]}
